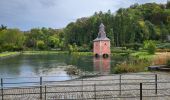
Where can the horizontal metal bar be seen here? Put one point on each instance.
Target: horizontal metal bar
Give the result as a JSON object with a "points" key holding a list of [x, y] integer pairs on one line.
{"points": [[21, 83], [80, 76]]}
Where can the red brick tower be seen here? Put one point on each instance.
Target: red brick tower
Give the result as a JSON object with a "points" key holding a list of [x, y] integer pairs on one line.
{"points": [[101, 45]]}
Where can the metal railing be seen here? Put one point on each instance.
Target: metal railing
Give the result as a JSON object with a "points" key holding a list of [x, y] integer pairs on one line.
{"points": [[87, 88]]}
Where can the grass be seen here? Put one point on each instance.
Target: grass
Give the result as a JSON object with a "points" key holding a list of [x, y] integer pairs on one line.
{"points": [[161, 58], [6, 54], [138, 62], [56, 52], [143, 55], [131, 67], [82, 53], [42, 52]]}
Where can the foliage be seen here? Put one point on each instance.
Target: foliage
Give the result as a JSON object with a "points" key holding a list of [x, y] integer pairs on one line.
{"points": [[40, 45], [52, 38], [11, 40], [163, 46], [133, 25], [142, 55], [134, 46], [131, 67], [150, 46], [128, 27], [72, 48]]}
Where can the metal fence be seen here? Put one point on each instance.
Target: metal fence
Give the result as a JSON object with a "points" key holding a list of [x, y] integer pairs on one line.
{"points": [[103, 87]]}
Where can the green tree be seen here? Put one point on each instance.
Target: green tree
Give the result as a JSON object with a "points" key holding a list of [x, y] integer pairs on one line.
{"points": [[53, 41], [11, 40]]}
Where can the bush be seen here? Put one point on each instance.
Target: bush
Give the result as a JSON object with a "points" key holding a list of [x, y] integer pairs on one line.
{"points": [[72, 48], [150, 46], [84, 48], [134, 46], [41, 45], [131, 67]]}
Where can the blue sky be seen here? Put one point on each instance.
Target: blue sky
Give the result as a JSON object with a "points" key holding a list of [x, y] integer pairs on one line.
{"points": [[27, 14]]}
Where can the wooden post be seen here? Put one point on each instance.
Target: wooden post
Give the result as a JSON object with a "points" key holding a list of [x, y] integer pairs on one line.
{"points": [[82, 88], [40, 87], [95, 91], [140, 91], [2, 91], [156, 84], [120, 84], [45, 92]]}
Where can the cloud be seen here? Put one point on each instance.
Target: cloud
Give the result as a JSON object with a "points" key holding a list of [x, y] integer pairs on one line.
{"points": [[47, 3], [26, 14]]}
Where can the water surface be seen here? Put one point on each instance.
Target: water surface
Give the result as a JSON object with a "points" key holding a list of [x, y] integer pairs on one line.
{"points": [[52, 65]]}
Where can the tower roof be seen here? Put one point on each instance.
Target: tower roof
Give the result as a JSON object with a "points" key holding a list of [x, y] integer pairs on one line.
{"points": [[102, 33]]}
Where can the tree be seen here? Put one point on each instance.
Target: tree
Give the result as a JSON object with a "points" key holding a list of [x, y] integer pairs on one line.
{"points": [[164, 32], [53, 41], [11, 40], [3, 27], [168, 4]]}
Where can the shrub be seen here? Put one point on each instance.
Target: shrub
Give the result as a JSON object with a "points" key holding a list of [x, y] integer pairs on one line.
{"points": [[41, 45], [150, 46], [131, 67], [134, 46], [72, 48]]}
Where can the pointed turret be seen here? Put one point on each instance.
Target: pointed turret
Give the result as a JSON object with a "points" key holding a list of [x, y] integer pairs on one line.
{"points": [[102, 33]]}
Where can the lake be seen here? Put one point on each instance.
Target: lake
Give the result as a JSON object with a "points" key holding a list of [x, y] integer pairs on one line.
{"points": [[52, 65]]}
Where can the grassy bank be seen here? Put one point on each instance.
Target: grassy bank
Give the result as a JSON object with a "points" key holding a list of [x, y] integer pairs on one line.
{"points": [[43, 52], [57, 52], [142, 55], [8, 54], [137, 62]]}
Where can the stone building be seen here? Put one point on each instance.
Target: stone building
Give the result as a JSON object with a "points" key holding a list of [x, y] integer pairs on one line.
{"points": [[101, 45]]}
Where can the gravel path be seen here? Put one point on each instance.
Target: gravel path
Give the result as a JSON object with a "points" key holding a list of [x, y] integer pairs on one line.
{"points": [[100, 87]]}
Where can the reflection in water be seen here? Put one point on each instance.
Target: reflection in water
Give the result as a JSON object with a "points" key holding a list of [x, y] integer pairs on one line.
{"points": [[101, 65], [52, 65]]}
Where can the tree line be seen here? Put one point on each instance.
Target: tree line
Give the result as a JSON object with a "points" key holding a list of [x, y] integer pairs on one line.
{"points": [[127, 27]]}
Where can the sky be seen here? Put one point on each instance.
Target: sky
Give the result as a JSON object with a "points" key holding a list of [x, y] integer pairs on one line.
{"points": [[27, 14]]}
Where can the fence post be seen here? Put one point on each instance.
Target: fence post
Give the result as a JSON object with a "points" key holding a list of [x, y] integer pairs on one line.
{"points": [[120, 83], [140, 91], [95, 92], [40, 87], [82, 88], [45, 92], [2, 90], [156, 84]]}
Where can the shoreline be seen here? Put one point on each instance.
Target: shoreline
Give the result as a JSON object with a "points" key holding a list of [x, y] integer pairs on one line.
{"points": [[9, 54]]}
